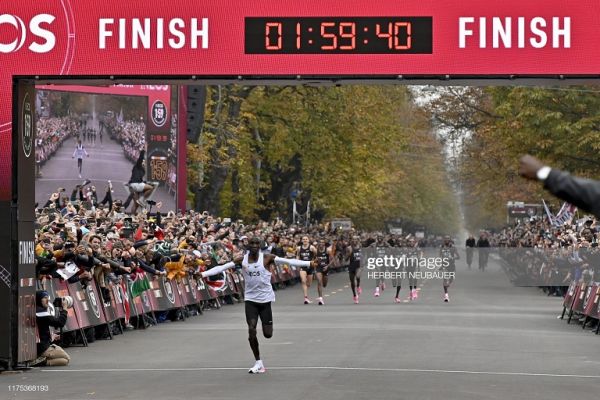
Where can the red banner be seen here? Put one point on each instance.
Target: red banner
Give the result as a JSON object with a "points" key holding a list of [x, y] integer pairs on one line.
{"points": [[579, 298], [590, 307]]}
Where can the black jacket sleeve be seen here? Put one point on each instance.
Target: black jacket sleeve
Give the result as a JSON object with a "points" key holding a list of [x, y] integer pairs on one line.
{"points": [[583, 193], [146, 267], [140, 243]]}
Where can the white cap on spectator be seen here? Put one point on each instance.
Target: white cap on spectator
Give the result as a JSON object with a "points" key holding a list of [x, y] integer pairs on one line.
{"points": [[197, 253]]}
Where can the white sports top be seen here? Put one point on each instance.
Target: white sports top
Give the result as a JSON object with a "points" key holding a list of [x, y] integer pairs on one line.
{"points": [[258, 281]]}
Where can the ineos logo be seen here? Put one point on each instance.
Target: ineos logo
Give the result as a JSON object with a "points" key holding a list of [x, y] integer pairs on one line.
{"points": [[35, 28], [93, 301], [27, 129], [169, 291]]}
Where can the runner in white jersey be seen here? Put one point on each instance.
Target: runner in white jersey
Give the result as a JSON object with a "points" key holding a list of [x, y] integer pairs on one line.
{"points": [[80, 152], [257, 268]]}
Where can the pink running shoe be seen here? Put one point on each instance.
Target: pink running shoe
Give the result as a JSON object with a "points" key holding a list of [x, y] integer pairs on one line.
{"points": [[355, 299], [416, 294], [307, 301], [359, 290], [376, 294], [397, 300]]}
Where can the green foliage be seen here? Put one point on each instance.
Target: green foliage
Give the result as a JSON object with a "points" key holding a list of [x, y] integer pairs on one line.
{"points": [[363, 152], [499, 124]]}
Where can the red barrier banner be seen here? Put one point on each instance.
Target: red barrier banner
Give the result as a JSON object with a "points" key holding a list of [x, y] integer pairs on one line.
{"points": [[239, 285], [212, 292], [579, 298], [177, 289], [117, 300], [276, 276], [568, 300], [231, 283], [165, 293], [87, 304], [112, 309], [203, 291], [590, 306], [189, 291]]}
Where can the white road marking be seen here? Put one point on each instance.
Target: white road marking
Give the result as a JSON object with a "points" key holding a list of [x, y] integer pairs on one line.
{"points": [[408, 370]]}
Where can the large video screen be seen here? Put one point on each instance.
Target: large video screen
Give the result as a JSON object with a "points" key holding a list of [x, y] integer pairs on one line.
{"points": [[94, 150]]}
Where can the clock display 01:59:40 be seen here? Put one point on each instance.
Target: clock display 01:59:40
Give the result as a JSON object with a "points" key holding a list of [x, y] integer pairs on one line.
{"points": [[361, 35]]}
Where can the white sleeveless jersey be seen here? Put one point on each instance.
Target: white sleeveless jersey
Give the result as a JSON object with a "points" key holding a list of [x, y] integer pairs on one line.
{"points": [[258, 281]]}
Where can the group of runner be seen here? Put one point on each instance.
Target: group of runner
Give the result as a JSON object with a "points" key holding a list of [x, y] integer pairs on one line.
{"points": [[346, 254]]}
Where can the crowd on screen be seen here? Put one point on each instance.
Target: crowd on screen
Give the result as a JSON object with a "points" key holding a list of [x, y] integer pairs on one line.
{"points": [[132, 136], [51, 133]]}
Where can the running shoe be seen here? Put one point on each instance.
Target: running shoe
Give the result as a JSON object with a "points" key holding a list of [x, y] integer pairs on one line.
{"points": [[412, 294], [79, 176], [376, 294], [307, 301], [355, 299], [416, 294], [397, 300], [446, 298], [359, 290], [321, 302], [258, 368]]}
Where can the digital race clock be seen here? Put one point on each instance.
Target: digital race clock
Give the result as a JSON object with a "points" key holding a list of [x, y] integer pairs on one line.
{"points": [[339, 35]]}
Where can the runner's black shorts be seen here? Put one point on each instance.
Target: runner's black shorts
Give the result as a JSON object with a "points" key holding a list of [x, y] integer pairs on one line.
{"points": [[321, 271], [353, 267], [254, 311]]}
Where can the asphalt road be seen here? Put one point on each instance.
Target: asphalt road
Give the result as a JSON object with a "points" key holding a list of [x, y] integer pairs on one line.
{"points": [[492, 341], [106, 162]]}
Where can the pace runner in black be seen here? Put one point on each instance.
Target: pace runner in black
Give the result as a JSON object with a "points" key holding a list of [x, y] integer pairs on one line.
{"points": [[323, 262], [306, 252], [449, 255]]}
